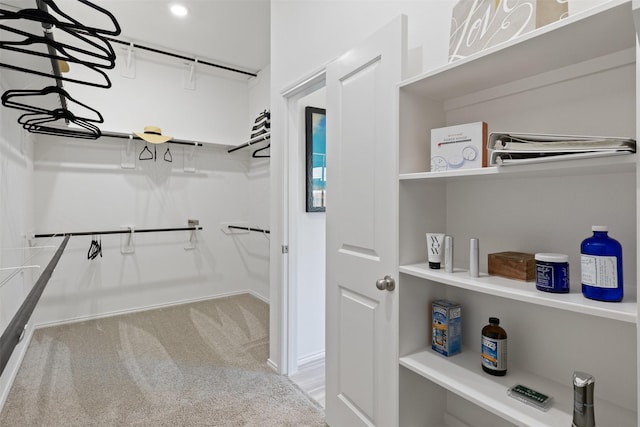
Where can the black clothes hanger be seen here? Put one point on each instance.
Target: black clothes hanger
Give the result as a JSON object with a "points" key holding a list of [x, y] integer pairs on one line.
{"points": [[105, 85], [255, 153], [266, 124], [46, 17], [95, 249], [67, 133], [142, 156], [48, 118], [266, 114], [12, 97], [101, 79], [91, 249], [167, 156], [258, 133], [55, 123], [262, 124], [60, 51], [103, 55]]}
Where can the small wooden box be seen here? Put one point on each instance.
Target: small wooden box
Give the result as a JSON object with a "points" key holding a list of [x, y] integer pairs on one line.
{"points": [[513, 265]]}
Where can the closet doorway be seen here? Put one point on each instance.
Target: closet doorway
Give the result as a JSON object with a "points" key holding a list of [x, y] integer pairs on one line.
{"points": [[307, 251]]}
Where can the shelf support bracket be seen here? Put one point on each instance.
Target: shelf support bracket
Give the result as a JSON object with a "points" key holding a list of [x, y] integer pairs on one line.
{"points": [[128, 67]]}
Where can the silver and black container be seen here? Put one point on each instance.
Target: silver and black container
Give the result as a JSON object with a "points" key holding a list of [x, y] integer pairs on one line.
{"points": [[583, 385]]}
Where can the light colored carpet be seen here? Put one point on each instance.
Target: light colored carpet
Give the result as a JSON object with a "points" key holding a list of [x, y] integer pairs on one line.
{"points": [[197, 364]]}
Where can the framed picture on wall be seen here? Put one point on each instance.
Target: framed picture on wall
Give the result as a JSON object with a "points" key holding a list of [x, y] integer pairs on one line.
{"points": [[315, 128]]}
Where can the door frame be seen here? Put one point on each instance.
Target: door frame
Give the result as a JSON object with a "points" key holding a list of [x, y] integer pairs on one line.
{"points": [[288, 329]]}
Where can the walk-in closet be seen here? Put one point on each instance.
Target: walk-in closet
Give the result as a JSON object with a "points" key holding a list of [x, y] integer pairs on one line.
{"points": [[135, 236], [243, 212]]}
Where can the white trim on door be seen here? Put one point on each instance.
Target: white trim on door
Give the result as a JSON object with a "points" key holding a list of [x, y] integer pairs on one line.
{"points": [[287, 329]]}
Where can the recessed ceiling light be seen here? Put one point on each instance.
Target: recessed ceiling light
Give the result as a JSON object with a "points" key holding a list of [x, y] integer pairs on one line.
{"points": [[179, 10]]}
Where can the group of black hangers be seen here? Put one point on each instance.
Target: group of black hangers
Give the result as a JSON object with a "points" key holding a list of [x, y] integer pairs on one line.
{"points": [[262, 125], [36, 119], [90, 48], [95, 249], [146, 154]]}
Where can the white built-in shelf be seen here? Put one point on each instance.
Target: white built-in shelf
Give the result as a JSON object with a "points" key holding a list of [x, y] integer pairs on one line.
{"points": [[503, 85], [462, 374], [594, 33], [624, 311], [622, 163]]}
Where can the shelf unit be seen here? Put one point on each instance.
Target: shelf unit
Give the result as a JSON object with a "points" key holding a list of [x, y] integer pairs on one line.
{"points": [[625, 311], [612, 164], [576, 76], [460, 374]]}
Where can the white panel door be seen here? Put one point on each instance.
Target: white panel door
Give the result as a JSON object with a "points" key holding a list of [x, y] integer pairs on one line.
{"points": [[361, 215]]}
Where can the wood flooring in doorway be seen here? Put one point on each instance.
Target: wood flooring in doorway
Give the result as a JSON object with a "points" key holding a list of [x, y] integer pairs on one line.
{"points": [[311, 379]]}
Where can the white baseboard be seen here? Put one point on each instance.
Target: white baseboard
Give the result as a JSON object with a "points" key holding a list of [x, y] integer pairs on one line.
{"points": [[257, 295], [145, 308], [311, 359], [273, 365]]}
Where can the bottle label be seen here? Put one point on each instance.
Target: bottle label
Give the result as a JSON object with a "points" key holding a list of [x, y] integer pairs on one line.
{"points": [[552, 276], [494, 353], [545, 275], [599, 271]]}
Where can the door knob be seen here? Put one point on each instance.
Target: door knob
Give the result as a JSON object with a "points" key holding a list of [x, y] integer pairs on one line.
{"points": [[387, 283]]}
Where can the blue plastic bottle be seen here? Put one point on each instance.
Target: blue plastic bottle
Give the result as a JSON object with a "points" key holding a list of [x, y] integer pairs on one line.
{"points": [[601, 266]]}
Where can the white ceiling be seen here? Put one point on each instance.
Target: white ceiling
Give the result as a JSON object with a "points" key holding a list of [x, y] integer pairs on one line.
{"points": [[235, 33]]}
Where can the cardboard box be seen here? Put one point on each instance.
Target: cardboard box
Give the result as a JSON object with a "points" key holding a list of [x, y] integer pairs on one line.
{"points": [[446, 326], [513, 265], [459, 147]]}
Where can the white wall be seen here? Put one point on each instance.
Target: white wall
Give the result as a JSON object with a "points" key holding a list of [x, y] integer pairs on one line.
{"points": [[81, 186], [258, 198], [306, 35], [16, 219], [215, 110], [309, 250]]}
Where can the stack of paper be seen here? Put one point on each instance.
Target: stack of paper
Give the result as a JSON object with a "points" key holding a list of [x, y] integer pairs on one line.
{"points": [[518, 148]]}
